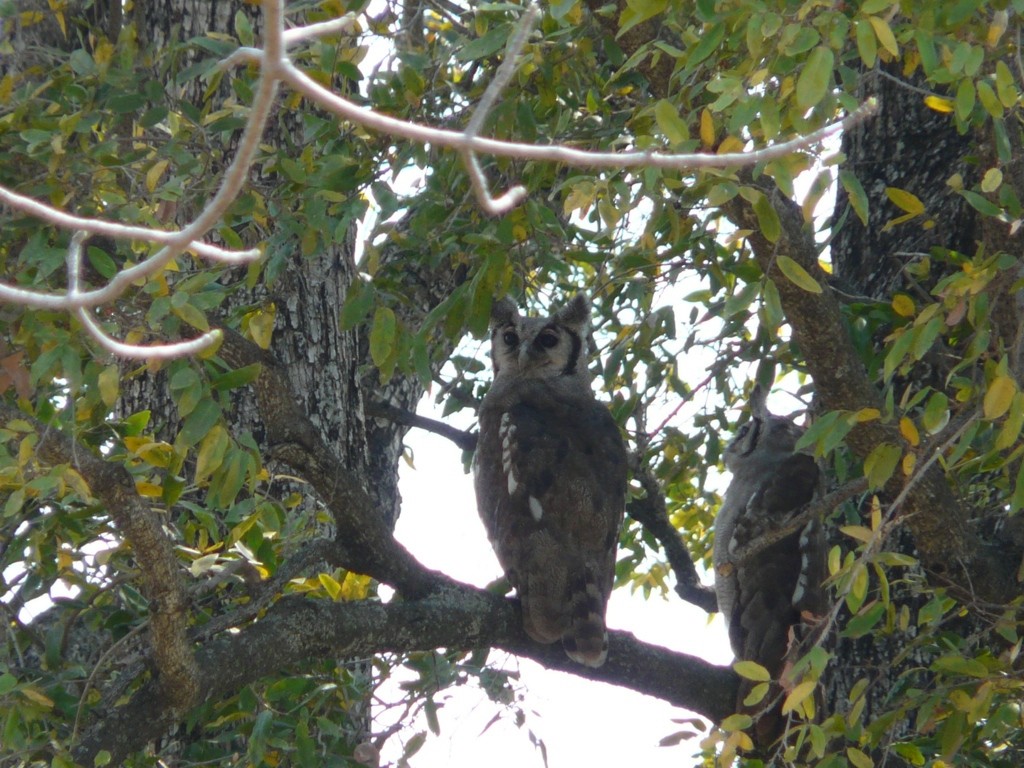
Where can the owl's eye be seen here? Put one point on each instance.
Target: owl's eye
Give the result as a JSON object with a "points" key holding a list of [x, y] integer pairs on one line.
{"points": [[511, 338], [742, 431], [548, 339]]}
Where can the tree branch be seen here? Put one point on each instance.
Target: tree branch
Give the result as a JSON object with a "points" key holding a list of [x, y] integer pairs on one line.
{"points": [[651, 513], [464, 440], [161, 574], [459, 618], [363, 542]]}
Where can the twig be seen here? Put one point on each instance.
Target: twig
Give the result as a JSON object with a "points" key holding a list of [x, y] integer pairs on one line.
{"points": [[149, 352], [816, 509], [554, 152], [465, 440], [650, 512], [512, 198]]}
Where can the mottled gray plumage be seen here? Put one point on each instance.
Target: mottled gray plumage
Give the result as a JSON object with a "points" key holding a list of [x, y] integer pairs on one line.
{"points": [[763, 596], [550, 476]]}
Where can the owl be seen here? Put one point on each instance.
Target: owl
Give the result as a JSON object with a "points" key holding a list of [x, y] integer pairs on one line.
{"points": [[766, 596], [550, 476]]}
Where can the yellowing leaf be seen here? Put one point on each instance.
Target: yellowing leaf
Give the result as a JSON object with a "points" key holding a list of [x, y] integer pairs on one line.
{"points": [[797, 695], [905, 201], [880, 464], [149, 490], [903, 305], [859, 759], [736, 723], [211, 452], [797, 274], [884, 34], [858, 532], [153, 174], [757, 694], [1010, 432], [939, 104], [998, 397], [751, 670], [36, 696], [866, 414], [707, 128], [909, 431], [109, 382], [730, 144], [261, 325], [908, 464], [356, 586], [330, 585], [993, 178]]}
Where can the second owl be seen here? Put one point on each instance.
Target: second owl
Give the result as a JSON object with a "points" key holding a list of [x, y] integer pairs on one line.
{"points": [[766, 597], [550, 476]]}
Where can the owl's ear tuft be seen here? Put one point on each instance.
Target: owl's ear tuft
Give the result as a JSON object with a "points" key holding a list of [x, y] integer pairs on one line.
{"points": [[503, 311], [576, 312]]}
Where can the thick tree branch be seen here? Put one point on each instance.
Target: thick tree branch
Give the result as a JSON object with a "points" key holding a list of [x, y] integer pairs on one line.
{"points": [[363, 540], [459, 618], [162, 582]]}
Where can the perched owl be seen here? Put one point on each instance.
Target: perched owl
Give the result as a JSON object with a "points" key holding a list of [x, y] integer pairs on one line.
{"points": [[550, 476], [764, 597]]}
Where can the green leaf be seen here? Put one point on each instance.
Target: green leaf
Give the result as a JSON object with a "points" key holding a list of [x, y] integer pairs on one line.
{"points": [[1006, 87], [965, 97], [237, 378], [357, 305], [797, 274], [1017, 500], [867, 46], [980, 203], [383, 335], [243, 27], [815, 78], [768, 219], [485, 46], [669, 122], [881, 463], [989, 100], [101, 262], [864, 621], [709, 42], [936, 413], [856, 194], [198, 423]]}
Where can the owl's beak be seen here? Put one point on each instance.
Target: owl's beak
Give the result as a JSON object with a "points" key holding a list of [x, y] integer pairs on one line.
{"points": [[531, 358]]}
